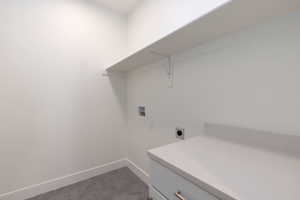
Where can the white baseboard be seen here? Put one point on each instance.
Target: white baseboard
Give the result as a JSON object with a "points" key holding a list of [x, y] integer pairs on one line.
{"points": [[47, 186], [138, 171]]}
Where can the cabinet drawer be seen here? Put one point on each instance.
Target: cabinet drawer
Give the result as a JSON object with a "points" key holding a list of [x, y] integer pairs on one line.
{"points": [[155, 195], [169, 183]]}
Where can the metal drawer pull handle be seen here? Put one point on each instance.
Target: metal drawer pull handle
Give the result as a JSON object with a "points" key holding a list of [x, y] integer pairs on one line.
{"points": [[179, 196]]}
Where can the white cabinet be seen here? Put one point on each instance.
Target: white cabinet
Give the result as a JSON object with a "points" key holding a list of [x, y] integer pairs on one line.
{"points": [[155, 195], [172, 186]]}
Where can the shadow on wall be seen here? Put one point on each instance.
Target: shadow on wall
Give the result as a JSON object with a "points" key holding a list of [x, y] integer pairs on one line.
{"points": [[273, 142], [118, 84]]}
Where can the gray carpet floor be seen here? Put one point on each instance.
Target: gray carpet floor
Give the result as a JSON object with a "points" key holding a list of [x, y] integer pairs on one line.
{"points": [[120, 184]]}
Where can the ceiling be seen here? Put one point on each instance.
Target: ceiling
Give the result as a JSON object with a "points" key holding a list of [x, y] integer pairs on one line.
{"points": [[120, 6]]}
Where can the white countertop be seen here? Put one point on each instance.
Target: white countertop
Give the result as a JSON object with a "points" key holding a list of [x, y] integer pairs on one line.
{"points": [[231, 171]]}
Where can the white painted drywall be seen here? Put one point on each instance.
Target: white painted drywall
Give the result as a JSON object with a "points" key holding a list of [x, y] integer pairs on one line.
{"points": [[122, 7], [249, 79], [153, 19], [58, 115]]}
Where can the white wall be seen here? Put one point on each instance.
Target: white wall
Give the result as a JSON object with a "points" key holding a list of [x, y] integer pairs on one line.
{"points": [[249, 79], [154, 19], [57, 115]]}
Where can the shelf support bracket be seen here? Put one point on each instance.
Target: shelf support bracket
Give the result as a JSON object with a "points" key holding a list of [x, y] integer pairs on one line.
{"points": [[170, 68], [106, 73]]}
